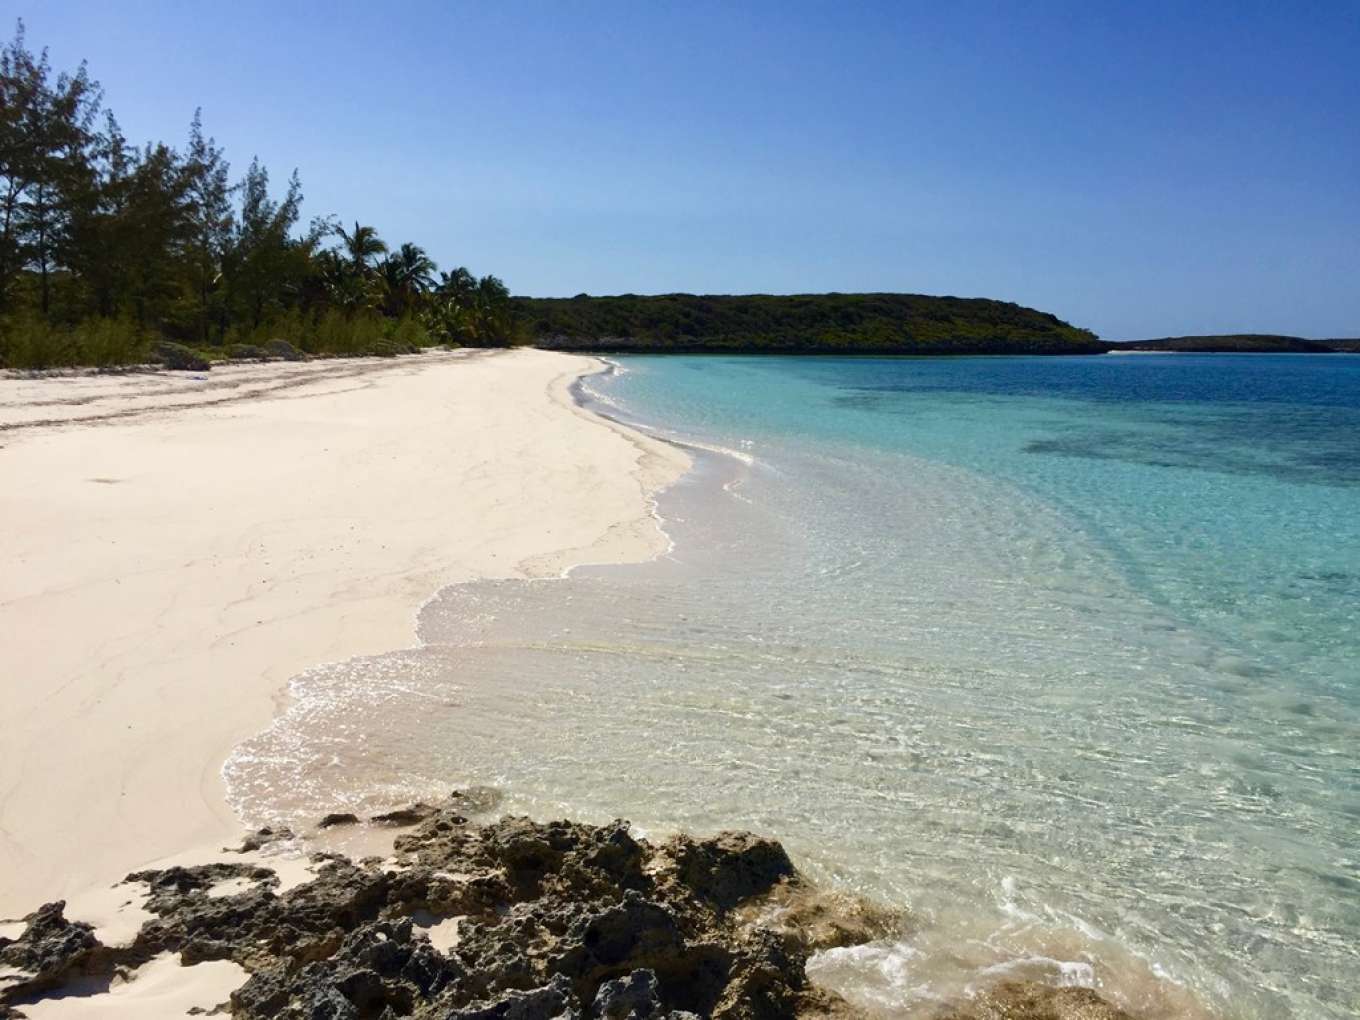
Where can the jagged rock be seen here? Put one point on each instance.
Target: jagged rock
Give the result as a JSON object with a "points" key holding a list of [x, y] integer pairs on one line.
{"points": [[404, 816], [261, 838], [634, 997], [168, 885], [338, 818], [620, 938], [378, 966], [546, 1003], [555, 920], [730, 867], [475, 800], [824, 919], [51, 951]]}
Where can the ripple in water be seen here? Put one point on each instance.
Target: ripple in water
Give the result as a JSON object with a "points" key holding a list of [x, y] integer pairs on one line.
{"points": [[937, 688]]}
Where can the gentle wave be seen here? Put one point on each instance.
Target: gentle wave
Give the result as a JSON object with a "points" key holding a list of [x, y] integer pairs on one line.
{"points": [[964, 696]]}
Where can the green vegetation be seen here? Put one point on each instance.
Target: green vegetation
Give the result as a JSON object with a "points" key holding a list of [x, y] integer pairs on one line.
{"points": [[1239, 343], [798, 324], [113, 255]]}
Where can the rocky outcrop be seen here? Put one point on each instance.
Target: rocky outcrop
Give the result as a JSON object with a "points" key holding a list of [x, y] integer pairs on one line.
{"points": [[179, 358], [553, 920], [284, 350], [51, 952]]}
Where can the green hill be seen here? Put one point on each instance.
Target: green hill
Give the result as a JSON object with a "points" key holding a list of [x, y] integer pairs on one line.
{"points": [[1237, 343], [797, 324]]}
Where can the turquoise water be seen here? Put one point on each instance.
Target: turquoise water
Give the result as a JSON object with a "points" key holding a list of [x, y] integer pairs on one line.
{"points": [[1059, 656]]}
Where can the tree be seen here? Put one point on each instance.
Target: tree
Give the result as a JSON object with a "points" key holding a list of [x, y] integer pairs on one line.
{"points": [[45, 132], [459, 285], [105, 246], [494, 316], [151, 236], [101, 230], [363, 246], [208, 191], [265, 261], [407, 275], [417, 268]]}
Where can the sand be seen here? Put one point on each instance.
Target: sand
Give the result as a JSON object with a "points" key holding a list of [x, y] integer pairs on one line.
{"points": [[161, 988], [174, 547]]}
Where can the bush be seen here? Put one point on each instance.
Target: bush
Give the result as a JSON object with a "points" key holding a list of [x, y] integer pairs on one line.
{"points": [[28, 341], [246, 352], [408, 332], [31, 342], [337, 333], [283, 349], [180, 358], [107, 343]]}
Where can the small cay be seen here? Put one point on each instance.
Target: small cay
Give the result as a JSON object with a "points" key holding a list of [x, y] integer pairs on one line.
{"points": [[556, 919]]}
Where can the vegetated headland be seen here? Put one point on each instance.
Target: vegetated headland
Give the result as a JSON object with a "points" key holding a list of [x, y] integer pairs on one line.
{"points": [[1240, 343], [850, 324], [113, 255], [798, 324]]}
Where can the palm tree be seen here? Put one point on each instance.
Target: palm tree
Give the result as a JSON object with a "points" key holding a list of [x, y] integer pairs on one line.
{"points": [[417, 268], [342, 285], [459, 286], [406, 274], [362, 246], [392, 282]]}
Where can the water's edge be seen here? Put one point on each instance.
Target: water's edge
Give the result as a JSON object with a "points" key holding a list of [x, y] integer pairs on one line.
{"points": [[941, 688]]}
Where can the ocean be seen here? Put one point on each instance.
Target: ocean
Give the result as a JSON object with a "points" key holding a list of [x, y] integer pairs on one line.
{"points": [[1058, 656]]}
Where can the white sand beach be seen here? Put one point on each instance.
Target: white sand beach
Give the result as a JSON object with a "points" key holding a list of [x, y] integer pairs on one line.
{"points": [[176, 547]]}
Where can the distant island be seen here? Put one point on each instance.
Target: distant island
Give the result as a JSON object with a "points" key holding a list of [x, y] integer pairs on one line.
{"points": [[797, 324], [866, 324], [1240, 343]]}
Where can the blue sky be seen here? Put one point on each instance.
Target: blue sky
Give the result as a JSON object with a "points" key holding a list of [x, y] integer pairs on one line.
{"points": [[1139, 169]]}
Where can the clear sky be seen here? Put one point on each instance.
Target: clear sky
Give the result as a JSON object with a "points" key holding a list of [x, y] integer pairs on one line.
{"points": [[1137, 168]]}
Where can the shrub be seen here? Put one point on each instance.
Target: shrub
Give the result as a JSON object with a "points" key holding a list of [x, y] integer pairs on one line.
{"points": [[246, 352], [107, 343], [337, 333], [408, 332], [283, 349], [29, 341], [180, 358]]}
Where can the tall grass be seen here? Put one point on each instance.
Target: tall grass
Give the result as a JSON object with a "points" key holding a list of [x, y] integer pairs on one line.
{"points": [[27, 341], [30, 342]]}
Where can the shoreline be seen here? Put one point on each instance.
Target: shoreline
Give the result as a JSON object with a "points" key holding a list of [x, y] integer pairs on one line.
{"points": [[119, 914], [529, 488]]}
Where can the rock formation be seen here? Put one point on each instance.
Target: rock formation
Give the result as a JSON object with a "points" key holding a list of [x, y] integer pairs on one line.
{"points": [[553, 920]]}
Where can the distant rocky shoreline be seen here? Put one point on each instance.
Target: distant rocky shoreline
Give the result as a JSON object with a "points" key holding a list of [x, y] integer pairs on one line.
{"points": [[556, 919], [1240, 343]]}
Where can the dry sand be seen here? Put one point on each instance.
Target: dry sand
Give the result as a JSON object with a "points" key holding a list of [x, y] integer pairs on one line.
{"points": [[173, 548]]}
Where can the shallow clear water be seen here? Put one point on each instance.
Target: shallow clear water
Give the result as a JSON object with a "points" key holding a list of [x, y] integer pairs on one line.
{"points": [[1059, 655]]}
